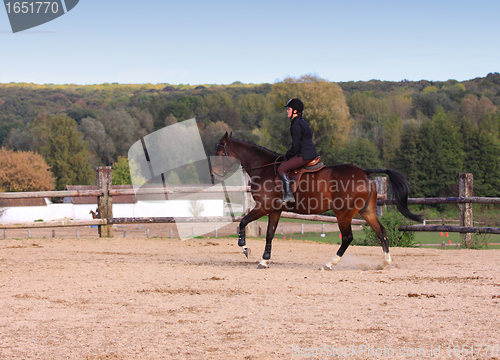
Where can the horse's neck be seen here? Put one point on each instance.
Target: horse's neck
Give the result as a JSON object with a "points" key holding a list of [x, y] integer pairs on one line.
{"points": [[252, 156]]}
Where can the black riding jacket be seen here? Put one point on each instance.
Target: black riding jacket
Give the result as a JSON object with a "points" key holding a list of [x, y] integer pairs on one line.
{"points": [[302, 144]]}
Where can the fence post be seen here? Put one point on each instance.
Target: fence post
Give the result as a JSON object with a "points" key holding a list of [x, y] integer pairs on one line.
{"points": [[465, 189], [251, 229], [105, 202], [381, 183]]}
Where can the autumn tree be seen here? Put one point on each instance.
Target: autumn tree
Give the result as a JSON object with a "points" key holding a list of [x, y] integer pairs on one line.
{"points": [[24, 171], [325, 108], [475, 109]]}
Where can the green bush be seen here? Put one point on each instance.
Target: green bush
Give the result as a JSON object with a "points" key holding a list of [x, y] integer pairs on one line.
{"points": [[391, 220]]}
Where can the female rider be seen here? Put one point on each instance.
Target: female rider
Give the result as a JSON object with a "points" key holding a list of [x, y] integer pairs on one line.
{"points": [[302, 150]]}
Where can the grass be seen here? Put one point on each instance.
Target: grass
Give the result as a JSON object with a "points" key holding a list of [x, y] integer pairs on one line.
{"points": [[420, 238], [287, 220]]}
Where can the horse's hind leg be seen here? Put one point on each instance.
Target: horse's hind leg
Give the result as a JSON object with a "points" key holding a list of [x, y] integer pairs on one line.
{"points": [[346, 231], [274, 218], [375, 224], [368, 213]]}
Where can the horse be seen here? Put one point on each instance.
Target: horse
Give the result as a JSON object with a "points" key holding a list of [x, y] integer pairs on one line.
{"points": [[346, 189]]}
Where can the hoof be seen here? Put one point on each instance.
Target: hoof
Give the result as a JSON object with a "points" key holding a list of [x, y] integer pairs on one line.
{"points": [[263, 264], [382, 266], [326, 268], [247, 252]]}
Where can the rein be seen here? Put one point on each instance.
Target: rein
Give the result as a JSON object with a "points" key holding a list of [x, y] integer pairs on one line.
{"points": [[224, 153], [276, 162]]}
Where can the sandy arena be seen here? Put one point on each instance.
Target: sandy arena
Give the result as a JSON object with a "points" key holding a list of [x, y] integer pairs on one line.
{"points": [[138, 298]]}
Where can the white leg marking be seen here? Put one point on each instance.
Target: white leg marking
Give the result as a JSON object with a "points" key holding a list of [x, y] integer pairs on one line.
{"points": [[264, 264], [246, 251], [333, 261], [387, 258]]}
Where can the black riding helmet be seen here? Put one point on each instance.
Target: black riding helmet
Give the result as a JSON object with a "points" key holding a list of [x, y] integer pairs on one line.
{"points": [[295, 104]]}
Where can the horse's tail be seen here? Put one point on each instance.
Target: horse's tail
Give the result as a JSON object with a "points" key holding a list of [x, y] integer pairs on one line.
{"points": [[398, 189]]}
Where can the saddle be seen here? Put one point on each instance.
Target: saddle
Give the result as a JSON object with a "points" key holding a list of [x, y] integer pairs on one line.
{"points": [[295, 175]]}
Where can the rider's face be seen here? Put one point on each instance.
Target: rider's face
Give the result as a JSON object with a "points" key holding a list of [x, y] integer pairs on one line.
{"points": [[289, 112]]}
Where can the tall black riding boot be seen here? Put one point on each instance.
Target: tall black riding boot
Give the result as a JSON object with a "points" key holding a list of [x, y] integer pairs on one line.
{"points": [[285, 181]]}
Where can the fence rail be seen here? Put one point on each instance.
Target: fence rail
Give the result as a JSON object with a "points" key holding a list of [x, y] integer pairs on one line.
{"points": [[460, 229], [464, 200], [49, 194], [106, 220], [448, 200]]}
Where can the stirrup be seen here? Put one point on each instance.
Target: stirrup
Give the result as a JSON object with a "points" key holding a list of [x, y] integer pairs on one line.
{"points": [[288, 197]]}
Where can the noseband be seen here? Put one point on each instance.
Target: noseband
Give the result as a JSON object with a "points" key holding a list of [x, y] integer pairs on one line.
{"points": [[224, 153]]}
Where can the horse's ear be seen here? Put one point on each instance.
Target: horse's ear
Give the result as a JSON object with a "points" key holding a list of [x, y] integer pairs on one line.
{"points": [[230, 135]]}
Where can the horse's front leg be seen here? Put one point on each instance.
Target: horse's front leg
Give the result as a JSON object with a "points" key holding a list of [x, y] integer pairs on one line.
{"points": [[272, 224], [253, 215]]}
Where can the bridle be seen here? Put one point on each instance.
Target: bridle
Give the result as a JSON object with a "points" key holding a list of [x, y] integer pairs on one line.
{"points": [[224, 153]]}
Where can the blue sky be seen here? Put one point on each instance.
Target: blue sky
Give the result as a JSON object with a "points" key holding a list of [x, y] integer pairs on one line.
{"points": [[219, 42]]}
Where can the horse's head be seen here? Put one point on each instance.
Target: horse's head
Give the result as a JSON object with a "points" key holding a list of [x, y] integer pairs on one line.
{"points": [[225, 158]]}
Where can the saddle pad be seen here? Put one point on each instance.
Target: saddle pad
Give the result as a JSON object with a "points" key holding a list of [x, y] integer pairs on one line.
{"points": [[317, 166]]}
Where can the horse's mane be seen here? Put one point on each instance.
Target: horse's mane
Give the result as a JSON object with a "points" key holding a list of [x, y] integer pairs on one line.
{"points": [[259, 147]]}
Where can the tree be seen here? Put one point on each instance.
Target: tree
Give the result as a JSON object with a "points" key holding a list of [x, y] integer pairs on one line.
{"points": [[170, 120], [66, 153], [214, 101], [428, 103], [276, 133], [252, 109], [482, 151], [121, 172], [24, 171], [22, 140], [228, 115], [212, 134], [99, 142], [361, 152], [183, 109], [325, 107], [475, 109], [190, 175], [400, 105], [441, 154], [491, 123], [393, 128], [144, 120], [408, 157], [122, 128]]}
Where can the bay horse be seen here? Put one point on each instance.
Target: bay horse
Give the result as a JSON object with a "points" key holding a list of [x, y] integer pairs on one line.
{"points": [[345, 189]]}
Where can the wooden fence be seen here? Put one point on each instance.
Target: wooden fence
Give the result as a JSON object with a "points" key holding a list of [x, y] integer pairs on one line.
{"points": [[464, 200], [106, 220]]}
